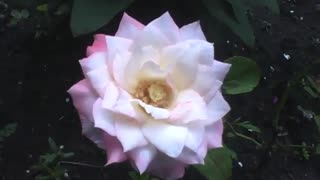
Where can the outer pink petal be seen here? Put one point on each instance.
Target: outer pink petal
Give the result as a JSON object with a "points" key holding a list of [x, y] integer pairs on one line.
{"points": [[220, 69], [129, 27], [192, 31], [190, 157], [142, 157], [114, 149], [99, 44], [214, 134], [217, 108], [166, 167], [129, 134], [93, 62], [167, 26], [83, 100]]}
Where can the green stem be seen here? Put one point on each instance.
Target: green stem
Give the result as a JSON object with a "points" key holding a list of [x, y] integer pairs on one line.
{"points": [[243, 136], [280, 106]]}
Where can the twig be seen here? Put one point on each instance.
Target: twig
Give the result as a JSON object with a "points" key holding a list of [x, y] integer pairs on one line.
{"points": [[243, 136], [80, 164], [282, 102]]}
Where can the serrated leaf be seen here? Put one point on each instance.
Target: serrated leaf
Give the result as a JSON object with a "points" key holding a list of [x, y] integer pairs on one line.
{"points": [[243, 77], [218, 165], [88, 16], [238, 23]]}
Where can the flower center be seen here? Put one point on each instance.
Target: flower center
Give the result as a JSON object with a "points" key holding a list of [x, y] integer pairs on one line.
{"points": [[154, 92]]}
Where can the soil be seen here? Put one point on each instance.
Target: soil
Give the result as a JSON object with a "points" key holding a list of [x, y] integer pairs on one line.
{"points": [[35, 73]]}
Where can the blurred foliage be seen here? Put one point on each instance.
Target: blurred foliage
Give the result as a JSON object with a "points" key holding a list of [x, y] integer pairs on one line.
{"points": [[48, 166]]}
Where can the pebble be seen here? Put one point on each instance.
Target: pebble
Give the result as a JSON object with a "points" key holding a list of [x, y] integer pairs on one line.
{"points": [[287, 56]]}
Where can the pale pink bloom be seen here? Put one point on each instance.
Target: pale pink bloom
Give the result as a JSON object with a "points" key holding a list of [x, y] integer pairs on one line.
{"points": [[151, 95]]}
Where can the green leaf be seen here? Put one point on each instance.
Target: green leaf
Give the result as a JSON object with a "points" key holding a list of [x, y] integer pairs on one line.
{"points": [[318, 149], [135, 176], [42, 8], [40, 177], [271, 4], [247, 125], [90, 15], [53, 146], [236, 20], [317, 120], [243, 77], [218, 165]]}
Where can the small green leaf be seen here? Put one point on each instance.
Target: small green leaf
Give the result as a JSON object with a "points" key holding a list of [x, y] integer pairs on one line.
{"points": [[243, 77], [89, 15], [42, 8], [250, 127], [218, 165]]}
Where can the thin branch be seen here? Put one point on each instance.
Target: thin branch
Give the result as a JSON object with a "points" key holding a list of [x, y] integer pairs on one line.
{"points": [[243, 136], [80, 164]]}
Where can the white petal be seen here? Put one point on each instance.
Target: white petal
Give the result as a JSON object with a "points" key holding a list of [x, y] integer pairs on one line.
{"points": [[189, 107], [116, 45], [103, 118], [129, 134], [184, 58], [142, 157], [217, 108], [129, 27], [214, 134], [167, 26], [192, 31], [110, 96], [220, 69], [205, 83], [99, 79], [167, 138], [138, 59], [151, 36], [119, 68], [155, 112], [195, 136], [190, 157]]}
